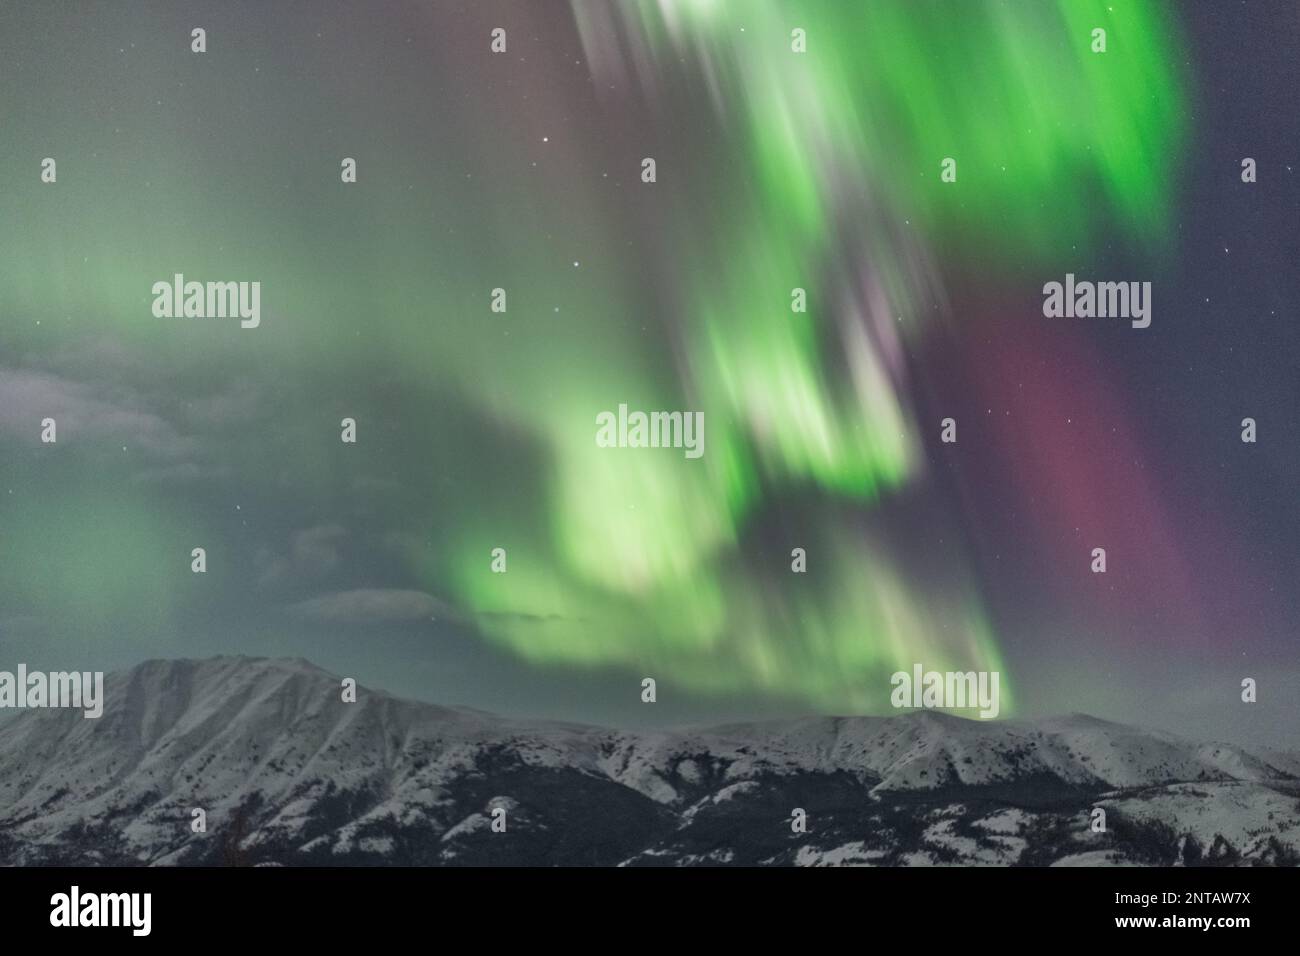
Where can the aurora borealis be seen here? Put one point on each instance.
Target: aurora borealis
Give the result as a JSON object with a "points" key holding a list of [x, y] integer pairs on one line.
{"points": [[775, 171]]}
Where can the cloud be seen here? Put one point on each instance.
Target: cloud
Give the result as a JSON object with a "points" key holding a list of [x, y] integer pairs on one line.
{"points": [[371, 606], [99, 391], [27, 397], [237, 405], [313, 554]]}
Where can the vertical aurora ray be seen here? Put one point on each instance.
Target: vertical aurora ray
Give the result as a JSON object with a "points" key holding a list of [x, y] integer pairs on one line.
{"points": [[831, 186], [776, 170]]}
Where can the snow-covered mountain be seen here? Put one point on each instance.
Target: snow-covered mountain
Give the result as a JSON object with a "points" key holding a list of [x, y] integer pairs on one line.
{"points": [[288, 773]]}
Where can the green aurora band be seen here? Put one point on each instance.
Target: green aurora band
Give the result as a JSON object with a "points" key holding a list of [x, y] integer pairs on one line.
{"points": [[849, 135], [817, 170]]}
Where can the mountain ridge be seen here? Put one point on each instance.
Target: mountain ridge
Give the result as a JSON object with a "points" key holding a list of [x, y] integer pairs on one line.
{"points": [[286, 772]]}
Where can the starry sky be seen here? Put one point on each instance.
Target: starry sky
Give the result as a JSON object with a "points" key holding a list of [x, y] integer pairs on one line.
{"points": [[774, 170]]}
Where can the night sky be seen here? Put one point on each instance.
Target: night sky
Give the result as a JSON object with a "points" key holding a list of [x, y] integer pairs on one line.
{"points": [[774, 170]]}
